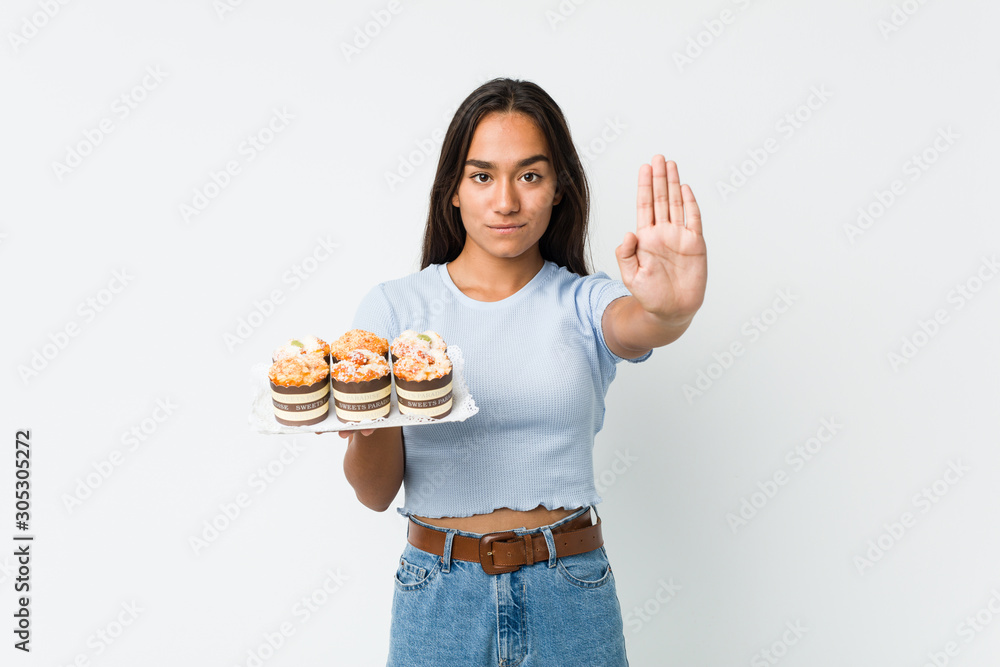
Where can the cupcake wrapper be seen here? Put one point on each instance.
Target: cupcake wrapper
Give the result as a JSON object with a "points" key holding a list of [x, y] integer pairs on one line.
{"points": [[303, 405], [368, 399], [425, 398]]}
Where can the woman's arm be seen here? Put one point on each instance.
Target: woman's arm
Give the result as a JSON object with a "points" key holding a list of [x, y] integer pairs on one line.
{"points": [[664, 265], [373, 465], [644, 330]]}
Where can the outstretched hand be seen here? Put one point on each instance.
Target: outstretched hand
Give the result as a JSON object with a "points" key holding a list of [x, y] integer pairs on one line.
{"points": [[664, 264]]}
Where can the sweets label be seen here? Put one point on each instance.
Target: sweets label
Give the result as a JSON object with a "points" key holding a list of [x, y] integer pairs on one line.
{"points": [[435, 412], [423, 395], [282, 396], [304, 418], [345, 415], [362, 407], [433, 403], [364, 396], [301, 407]]}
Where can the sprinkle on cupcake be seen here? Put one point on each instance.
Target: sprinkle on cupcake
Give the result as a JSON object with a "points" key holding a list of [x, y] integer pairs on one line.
{"points": [[409, 341], [302, 346], [359, 339], [360, 365], [299, 370]]}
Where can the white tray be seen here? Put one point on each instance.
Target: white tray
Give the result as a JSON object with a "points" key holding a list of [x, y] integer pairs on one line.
{"points": [[262, 410]]}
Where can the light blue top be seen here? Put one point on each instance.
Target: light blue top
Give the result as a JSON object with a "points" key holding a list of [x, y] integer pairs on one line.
{"points": [[538, 368]]}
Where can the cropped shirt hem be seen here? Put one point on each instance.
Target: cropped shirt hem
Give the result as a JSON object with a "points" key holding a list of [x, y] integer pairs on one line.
{"points": [[517, 507]]}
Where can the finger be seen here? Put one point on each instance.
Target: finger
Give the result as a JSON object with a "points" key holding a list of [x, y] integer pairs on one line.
{"points": [[660, 200], [691, 211], [628, 261], [674, 192], [344, 434], [368, 431], [644, 200]]}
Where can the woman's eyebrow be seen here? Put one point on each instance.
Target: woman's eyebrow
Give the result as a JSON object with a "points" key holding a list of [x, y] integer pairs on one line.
{"points": [[482, 164]]}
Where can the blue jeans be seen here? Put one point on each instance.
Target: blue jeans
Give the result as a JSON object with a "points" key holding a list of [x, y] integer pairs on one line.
{"points": [[563, 611]]}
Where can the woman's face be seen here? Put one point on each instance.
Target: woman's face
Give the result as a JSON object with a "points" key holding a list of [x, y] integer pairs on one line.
{"points": [[508, 186]]}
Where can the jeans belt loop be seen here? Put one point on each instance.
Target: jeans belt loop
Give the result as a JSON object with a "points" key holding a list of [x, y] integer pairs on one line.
{"points": [[550, 542], [446, 555]]}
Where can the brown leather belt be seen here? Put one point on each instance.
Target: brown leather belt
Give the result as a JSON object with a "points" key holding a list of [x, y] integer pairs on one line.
{"points": [[506, 551]]}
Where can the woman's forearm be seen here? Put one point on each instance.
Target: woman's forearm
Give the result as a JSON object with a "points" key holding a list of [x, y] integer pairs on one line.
{"points": [[373, 465]]}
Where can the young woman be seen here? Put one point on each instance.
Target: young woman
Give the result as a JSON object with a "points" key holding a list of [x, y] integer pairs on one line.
{"points": [[504, 564]]}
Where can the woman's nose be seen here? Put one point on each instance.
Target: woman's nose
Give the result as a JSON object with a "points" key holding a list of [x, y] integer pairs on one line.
{"points": [[505, 201]]}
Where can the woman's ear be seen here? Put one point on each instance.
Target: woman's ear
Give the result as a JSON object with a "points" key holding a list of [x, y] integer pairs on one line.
{"points": [[454, 200], [558, 197]]}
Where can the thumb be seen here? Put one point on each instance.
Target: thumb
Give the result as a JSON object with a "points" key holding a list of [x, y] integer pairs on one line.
{"points": [[628, 262]]}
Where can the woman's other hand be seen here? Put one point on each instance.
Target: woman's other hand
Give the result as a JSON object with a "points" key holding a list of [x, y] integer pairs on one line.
{"points": [[347, 434]]}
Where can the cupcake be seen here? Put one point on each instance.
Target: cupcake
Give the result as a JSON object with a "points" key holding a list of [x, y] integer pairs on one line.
{"points": [[423, 382], [358, 338], [300, 389], [304, 345], [409, 341], [361, 386]]}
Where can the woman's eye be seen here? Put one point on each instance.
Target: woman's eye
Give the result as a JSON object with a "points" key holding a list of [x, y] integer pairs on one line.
{"points": [[530, 177]]}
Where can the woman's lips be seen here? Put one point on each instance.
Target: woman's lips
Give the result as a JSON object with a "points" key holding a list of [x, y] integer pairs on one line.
{"points": [[506, 230]]}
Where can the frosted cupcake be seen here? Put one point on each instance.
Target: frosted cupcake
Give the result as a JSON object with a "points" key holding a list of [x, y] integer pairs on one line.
{"points": [[304, 345], [361, 386], [300, 389], [423, 383], [358, 339], [409, 342]]}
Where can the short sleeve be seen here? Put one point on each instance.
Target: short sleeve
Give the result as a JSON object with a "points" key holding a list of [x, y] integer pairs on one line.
{"points": [[602, 290], [375, 314]]}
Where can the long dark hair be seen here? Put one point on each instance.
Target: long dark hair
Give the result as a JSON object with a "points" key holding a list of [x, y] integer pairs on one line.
{"points": [[564, 241]]}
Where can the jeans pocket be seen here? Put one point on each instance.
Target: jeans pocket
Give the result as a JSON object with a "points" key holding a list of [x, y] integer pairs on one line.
{"points": [[416, 568], [587, 570]]}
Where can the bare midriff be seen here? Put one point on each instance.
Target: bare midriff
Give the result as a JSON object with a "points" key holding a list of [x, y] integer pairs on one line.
{"points": [[501, 519]]}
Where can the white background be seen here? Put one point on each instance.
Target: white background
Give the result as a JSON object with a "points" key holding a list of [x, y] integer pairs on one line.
{"points": [[892, 76]]}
